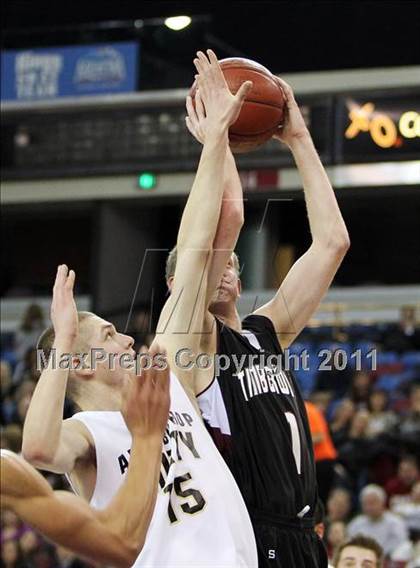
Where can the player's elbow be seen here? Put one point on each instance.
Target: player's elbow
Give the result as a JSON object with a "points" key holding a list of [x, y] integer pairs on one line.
{"points": [[337, 245], [233, 214], [37, 454], [341, 243]]}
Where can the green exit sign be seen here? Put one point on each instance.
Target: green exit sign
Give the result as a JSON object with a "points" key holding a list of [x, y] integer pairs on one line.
{"points": [[146, 180]]}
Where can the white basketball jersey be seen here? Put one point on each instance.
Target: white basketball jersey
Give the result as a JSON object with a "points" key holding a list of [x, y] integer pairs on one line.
{"points": [[200, 519]]}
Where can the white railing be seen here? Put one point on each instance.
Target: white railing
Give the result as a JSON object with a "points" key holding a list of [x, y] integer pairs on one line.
{"points": [[341, 306]]}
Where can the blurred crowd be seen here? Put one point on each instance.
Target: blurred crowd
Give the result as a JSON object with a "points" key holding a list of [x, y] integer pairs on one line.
{"points": [[365, 424]]}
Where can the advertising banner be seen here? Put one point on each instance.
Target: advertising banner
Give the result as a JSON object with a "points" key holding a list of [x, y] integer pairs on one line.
{"points": [[48, 73]]}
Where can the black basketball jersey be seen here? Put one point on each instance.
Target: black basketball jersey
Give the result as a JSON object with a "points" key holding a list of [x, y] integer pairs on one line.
{"points": [[257, 417]]}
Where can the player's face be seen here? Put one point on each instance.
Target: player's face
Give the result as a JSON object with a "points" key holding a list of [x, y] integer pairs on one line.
{"points": [[356, 557], [114, 347], [229, 288]]}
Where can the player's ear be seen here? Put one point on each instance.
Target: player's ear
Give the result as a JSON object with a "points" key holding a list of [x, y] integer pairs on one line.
{"points": [[169, 283], [239, 287]]}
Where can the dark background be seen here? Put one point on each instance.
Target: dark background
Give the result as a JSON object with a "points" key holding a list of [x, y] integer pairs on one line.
{"points": [[284, 36]]}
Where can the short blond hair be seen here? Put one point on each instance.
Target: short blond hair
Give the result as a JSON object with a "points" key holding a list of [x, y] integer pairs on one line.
{"points": [[171, 263]]}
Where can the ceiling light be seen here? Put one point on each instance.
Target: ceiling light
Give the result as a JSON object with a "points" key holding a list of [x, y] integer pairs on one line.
{"points": [[177, 22]]}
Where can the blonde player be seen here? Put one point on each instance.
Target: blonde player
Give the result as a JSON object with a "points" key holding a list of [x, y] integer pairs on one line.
{"points": [[199, 517]]}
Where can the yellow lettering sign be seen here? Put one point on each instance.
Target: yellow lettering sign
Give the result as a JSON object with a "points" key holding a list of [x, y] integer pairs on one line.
{"points": [[409, 124], [382, 128], [360, 119], [383, 131]]}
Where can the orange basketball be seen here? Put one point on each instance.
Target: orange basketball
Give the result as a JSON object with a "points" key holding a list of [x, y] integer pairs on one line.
{"points": [[263, 109]]}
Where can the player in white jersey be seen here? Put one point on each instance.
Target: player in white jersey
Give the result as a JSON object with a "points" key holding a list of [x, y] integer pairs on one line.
{"points": [[200, 519], [116, 534]]}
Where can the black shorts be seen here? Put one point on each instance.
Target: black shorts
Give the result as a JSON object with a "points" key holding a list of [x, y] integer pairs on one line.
{"points": [[286, 546]]}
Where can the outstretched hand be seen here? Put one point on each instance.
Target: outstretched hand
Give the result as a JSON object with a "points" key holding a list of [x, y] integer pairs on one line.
{"points": [[195, 117], [146, 400], [63, 308], [216, 107], [294, 125]]}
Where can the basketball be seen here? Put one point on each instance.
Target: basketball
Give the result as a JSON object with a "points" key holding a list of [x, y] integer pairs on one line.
{"points": [[263, 110]]}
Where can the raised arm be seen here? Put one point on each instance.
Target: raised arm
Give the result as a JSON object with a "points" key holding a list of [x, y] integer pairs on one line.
{"points": [[181, 321], [48, 442], [310, 277], [116, 534], [231, 217]]}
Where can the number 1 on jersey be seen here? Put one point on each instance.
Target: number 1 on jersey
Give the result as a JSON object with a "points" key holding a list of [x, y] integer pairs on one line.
{"points": [[291, 419]]}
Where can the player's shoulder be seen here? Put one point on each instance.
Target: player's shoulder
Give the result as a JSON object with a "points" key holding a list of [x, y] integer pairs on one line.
{"points": [[78, 425], [256, 321], [260, 325]]}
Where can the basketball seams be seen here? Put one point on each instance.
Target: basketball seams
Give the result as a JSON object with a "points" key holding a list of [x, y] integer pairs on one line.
{"points": [[265, 75], [261, 132], [263, 104]]}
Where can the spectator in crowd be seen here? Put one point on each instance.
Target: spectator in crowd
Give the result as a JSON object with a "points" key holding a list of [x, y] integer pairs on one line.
{"points": [[27, 369], [7, 406], [22, 398], [359, 552], [324, 450], [11, 438], [409, 511], [336, 535], [66, 559], [321, 400], [11, 526], [381, 420], [409, 427], [29, 542], [33, 324], [378, 523], [11, 555], [356, 452], [334, 381], [319, 519], [401, 485], [341, 422], [360, 389], [339, 505], [405, 335]]}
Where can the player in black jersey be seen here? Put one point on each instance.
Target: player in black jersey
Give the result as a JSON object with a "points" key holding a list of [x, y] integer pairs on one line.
{"points": [[251, 405]]}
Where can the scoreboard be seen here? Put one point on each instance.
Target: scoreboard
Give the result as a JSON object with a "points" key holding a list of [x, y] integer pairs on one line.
{"points": [[85, 140], [378, 128]]}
